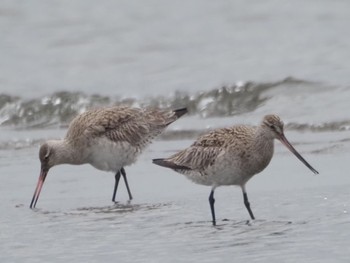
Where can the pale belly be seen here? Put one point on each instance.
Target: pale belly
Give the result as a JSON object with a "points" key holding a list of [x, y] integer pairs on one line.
{"points": [[228, 171], [109, 156], [216, 177]]}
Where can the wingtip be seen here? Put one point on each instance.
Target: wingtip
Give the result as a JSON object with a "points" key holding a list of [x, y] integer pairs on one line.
{"points": [[159, 161], [180, 112], [164, 163]]}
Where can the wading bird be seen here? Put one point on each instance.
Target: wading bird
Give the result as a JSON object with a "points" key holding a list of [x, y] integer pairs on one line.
{"points": [[230, 156], [108, 138]]}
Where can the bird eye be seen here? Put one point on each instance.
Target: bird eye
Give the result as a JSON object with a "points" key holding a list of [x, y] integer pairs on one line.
{"points": [[272, 127]]}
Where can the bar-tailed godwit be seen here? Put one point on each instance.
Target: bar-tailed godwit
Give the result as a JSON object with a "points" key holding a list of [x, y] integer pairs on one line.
{"points": [[109, 139], [230, 156]]}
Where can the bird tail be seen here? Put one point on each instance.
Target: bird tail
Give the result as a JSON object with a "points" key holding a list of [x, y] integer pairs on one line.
{"points": [[180, 112], [168, 164]]}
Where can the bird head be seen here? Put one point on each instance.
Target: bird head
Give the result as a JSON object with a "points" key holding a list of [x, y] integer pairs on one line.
{"points": [[49, 156], [274, 127]]}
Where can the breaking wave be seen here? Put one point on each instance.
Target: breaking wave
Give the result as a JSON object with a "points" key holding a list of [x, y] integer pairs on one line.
{"points": [[57, 109]]}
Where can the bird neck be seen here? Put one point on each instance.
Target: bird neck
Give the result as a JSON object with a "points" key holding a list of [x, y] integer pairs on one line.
{"points": [[263, 140], [64, 152]]}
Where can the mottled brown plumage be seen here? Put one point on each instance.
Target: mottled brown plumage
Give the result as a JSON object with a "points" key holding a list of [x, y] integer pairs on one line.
{"points": [[108, 138], [230, 156], [133, 125]]}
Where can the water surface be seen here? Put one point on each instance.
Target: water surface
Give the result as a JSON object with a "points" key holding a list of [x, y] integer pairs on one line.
{"points": [[229, 62]]}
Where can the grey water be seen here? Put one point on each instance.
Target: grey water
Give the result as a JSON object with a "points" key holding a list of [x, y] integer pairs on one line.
{"points": [[229, 62]]}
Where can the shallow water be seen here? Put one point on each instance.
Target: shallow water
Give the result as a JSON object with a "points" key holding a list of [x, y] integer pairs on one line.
{"points": [[300, 216], [229, 62]]}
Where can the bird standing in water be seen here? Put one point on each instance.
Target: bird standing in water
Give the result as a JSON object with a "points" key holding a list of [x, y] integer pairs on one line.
{"points": [[230, 156], [108, 138]]}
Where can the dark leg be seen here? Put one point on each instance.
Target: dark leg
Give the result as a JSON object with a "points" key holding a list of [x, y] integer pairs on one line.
{"points": [[117, 177], [246, 203], [211, 202], [126, 183]]}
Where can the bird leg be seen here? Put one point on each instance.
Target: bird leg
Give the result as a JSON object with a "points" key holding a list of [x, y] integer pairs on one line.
{"points": [[247, 204], [211, 202], [117, 177], [126, 183]]}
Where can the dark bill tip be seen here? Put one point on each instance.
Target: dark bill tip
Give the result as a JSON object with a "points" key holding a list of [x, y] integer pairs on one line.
{"points": [[38, 188], [286, 143]]}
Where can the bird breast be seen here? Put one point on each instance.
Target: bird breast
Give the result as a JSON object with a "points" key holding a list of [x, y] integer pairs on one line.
{"points": [[112, 156]]}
